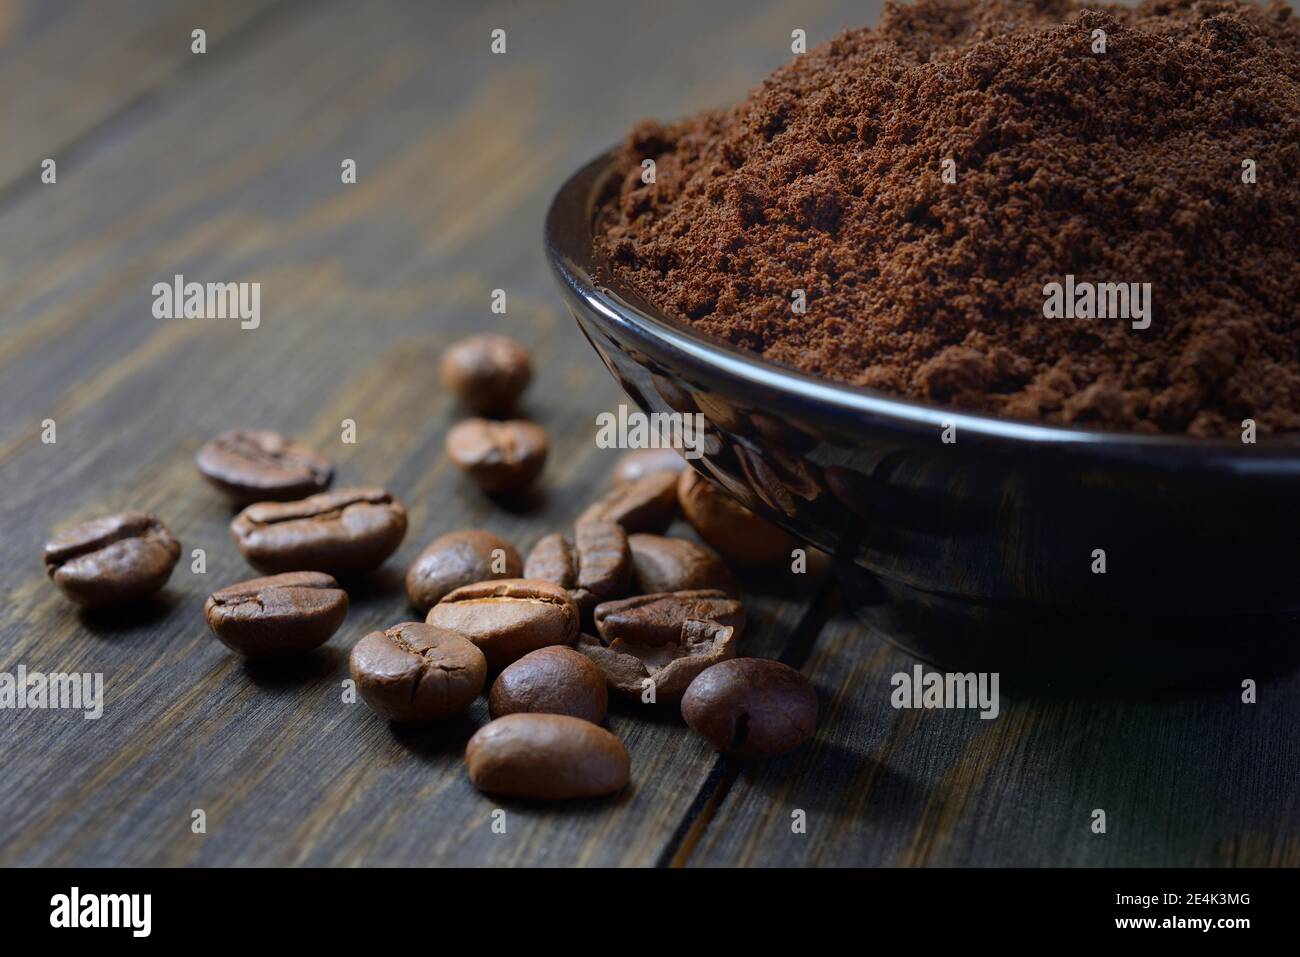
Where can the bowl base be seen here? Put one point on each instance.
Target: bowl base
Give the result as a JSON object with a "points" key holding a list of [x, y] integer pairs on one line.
{"points": [[1036, 649]]}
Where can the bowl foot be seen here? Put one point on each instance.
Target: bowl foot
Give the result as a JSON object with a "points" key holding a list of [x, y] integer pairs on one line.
{"points": [[1044, 650]]}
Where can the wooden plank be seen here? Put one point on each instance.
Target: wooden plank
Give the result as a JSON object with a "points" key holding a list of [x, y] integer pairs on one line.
{"points": [[234, 175], [1184, 780], [69, 66]]}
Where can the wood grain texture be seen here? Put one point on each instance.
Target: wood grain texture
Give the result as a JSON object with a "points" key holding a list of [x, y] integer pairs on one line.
{"points": [[232, 173], [228, 170], [1184, 780]]}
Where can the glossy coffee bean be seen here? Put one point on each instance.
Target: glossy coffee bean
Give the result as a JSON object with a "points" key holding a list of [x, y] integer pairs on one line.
{"points": [[500, 457], [646, 504], [509, 618], [346, 531], [278, 615], [669, 668], [546, 756], [594, 566], [642, 462], [457, 559], [662, 564], [751, 707], [112, 561], [554, 680], [738, 534], [659, 619], [487, 372], [258, 465], [416, 672]]}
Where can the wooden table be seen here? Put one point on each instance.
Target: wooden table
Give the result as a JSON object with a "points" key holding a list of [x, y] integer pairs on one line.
{"points": [[225, 166]]}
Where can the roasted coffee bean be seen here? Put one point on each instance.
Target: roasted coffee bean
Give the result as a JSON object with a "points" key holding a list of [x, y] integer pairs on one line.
{"points": [[417, 672], [751, 707], [595, 566], [346, 531], [487, 372], [669, 668], [258, 465], [548, 756], [642, 462], [279, 615], [647, 504], [738, 534], [676, 564], [554, 680], [499, 456], [659, 619], [509, 618], [113, 560], [457, 559]]}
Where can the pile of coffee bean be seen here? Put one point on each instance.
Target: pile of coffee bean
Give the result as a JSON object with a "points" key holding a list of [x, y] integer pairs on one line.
{"points": [[610, 606]]}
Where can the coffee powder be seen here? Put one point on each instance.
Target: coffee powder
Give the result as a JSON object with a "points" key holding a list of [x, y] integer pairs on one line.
{"points": [[1122, 166]]}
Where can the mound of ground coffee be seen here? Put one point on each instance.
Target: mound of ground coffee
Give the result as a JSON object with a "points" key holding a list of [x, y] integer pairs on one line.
{"points": [[1079, 157]]}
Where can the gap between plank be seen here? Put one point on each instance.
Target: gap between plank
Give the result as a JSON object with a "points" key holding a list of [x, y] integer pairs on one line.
{"points": [[726, 771]]}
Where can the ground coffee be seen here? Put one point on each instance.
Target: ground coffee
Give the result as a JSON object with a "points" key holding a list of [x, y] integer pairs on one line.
{"points": [[1123, 166]]}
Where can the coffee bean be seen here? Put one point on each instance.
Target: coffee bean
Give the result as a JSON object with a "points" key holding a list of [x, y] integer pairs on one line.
{"points": [[647, 504], [487, 372], [676, 564], [642, 462], [346, 531], [279, 615], [257, 465], [671, 667], [113, 560], [499, 456], [509, 618], [738, 534], [751, 707], [659, 619], [547, 756], [417, 672], [554, 680], [457, 559], [594, 566]]}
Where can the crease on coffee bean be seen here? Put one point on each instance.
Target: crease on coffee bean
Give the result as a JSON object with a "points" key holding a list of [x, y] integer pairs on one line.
{"points": [[247, 449], [151, 534], [330, 515]]}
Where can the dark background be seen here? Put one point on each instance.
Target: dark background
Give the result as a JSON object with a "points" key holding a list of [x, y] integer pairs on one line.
{"points": [[225, 167]]}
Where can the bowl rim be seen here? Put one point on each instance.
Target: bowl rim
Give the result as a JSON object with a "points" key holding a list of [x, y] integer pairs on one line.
{"points": [[569, 243]]}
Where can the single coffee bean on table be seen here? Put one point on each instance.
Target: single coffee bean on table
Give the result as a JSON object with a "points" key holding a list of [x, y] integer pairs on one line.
{"points": [[751, 707], [553, 680], [278, 615], [633, 669], [487, 372], [662, 564], [346, 531], [457, 559], [646, 504], [509, 618], [112, 561], [500, 457], [258, 465], [593, 566], [659, 619], [642, 462], [737, 533], [416, 672], [546, 756]]}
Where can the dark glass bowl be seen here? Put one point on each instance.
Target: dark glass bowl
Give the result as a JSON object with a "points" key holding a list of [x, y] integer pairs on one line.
{"points": [[977, 554]]}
